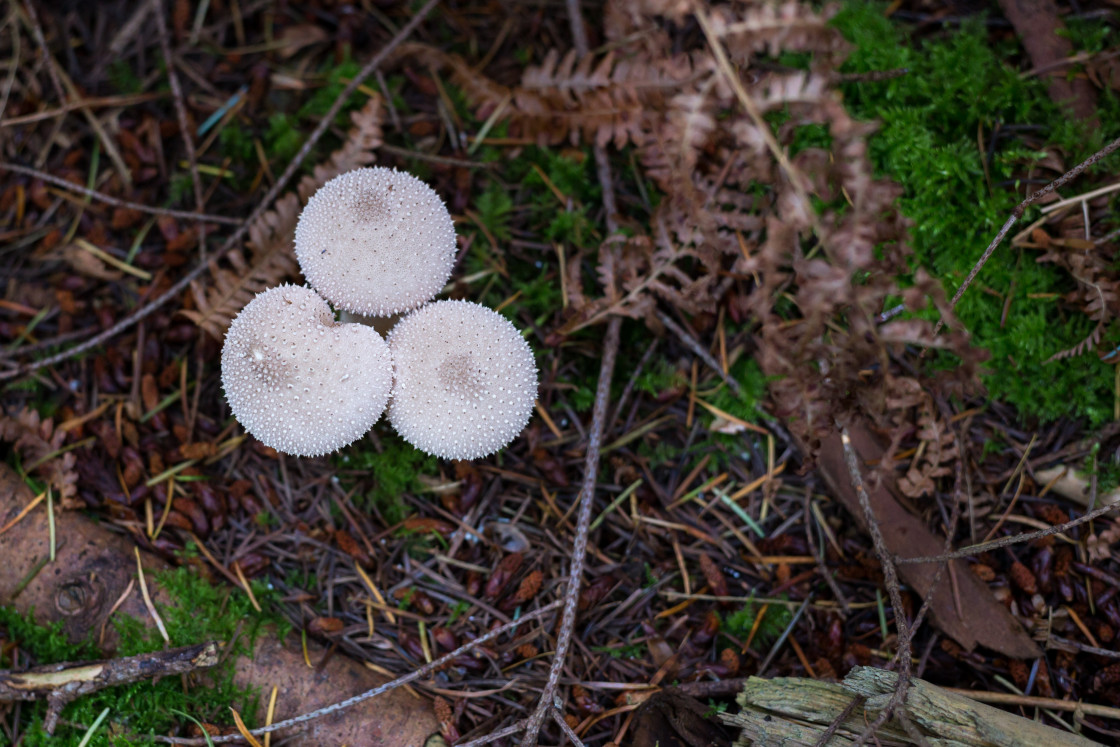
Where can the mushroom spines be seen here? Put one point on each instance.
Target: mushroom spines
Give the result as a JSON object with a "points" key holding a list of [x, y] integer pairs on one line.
{"points": [[376, 241], [464, 380], [297, 380]]}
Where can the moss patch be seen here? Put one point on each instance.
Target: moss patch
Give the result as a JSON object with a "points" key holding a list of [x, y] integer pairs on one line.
{"points": [[202, 612], [957, 91]]}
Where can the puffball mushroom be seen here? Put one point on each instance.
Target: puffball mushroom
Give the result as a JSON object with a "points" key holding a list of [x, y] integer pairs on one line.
{"points": [[376, 241], [297, 380], [464, 380]]}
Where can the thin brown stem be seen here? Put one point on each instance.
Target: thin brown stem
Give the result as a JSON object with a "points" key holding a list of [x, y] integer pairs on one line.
{"points": [[586, 499], [699, 351], [837, 722], [1016, 539], [180, 110], [115, 202], [558, 717], [495, 736], [583, 524], [894, 590]]}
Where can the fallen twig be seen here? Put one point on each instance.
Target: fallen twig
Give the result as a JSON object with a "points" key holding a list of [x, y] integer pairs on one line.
{"points": [[890, 576], [965, 552], [699, 351], [59, 684], [583, 522], [115, 202], [594, 439]]}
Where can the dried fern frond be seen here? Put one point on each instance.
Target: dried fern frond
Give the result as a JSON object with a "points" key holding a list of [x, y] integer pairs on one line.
{"points": [[939, 452], [773, 28], [270, 259], [737, 209], [484, 94], [604, 100], [1084, 346]]}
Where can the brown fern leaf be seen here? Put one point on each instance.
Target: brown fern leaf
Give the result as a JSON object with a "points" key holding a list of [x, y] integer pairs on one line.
{"points": [[271, 258], [603, 100], [773, 28], [1097, 293], [674, 147], [271, 261], [801, 91], [625, 17], [937, 452], [1098, 289], [612, 98], [485, 94], [1085, 346], [363, 139], [37, 443]]}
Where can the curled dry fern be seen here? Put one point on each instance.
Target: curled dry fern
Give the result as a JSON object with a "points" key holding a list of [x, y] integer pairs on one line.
{"points": [[803, 242]]}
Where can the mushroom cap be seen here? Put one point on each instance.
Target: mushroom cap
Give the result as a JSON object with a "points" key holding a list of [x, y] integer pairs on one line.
{"points": [[464, 380], [376, 241], [297, 380]]}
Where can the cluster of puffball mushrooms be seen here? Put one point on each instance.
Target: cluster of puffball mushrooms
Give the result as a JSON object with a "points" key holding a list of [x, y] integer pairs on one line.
{"points": [[458, 379]]}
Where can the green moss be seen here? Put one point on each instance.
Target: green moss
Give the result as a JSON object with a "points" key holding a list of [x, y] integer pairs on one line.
{"points": [[740, 623], [123, 77], [660, 376], [283, 138], [338, 77], [494, 206], [236, 143], [201, 611], [752, 386], [396, 470], [458, 609], [284, 132], [1106, 470], [958, 87]]}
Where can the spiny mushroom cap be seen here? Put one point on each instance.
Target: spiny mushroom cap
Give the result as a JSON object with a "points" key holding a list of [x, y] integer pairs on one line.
{"points": [[464, 380], [376, 241], [297, 380]]}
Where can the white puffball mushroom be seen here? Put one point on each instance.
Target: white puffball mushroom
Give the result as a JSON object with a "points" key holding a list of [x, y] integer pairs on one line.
{"points": [[464, 380], [376, 241], [297, 380]]}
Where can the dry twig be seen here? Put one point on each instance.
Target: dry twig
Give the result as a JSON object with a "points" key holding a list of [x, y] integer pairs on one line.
{"points": [[115, 202], [594, 439], [890, 575], [60, 684], [583, 522], [1015, 539]]}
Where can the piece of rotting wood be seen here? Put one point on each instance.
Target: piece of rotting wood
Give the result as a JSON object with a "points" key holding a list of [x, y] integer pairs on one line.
{"points": [[797, 711]]}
